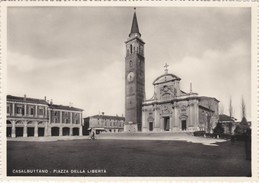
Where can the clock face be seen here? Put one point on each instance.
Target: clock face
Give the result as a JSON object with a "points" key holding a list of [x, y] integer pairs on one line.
{"points": [[131, 76]]}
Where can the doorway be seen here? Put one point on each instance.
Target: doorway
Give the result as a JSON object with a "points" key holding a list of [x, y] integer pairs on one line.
{"points": [[166, 123], [75, 131], [54, 131], [183, 125], [8, 131], [30, 131], [65, 131], [150, 126], [19, 131], [41, 132]]}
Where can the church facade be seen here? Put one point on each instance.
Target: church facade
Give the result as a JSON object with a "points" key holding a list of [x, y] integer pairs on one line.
{"points": [[170, 108]]}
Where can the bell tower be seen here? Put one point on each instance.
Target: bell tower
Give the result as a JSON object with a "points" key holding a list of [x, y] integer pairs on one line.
{"points": [[134, 78]]}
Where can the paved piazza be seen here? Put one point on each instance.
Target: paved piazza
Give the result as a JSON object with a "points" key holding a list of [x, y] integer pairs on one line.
{"points": [[113, 157]]}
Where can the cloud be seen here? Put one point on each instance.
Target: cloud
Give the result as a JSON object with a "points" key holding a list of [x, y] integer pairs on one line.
{"points": [[77, 54]]}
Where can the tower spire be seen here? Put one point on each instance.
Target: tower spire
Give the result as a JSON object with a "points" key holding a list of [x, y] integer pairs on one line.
{"points": [[134, 26]]}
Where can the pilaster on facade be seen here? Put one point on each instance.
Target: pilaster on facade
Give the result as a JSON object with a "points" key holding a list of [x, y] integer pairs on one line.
{"points": [[60, 117], [60, 131], [36, 129], [13, 109], [71, 131], [25, 109], [46, 130], [80, 131], [36, 110], [25, 129], [49, 115], [71, 114]]}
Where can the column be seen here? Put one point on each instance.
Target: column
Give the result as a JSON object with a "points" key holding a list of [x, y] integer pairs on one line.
{"points": [[36, 110], [48, 115], [196, 115], [71, 131], [13, 129], [176, 119], [190, 114], [46, 129], [80, 131], [80, 118], [144, 122], [60, 117], [25, 129], [36, 129], [13, 110], [60, 131], [25, 110], [157, 120], [71, 117], [171, 123]]}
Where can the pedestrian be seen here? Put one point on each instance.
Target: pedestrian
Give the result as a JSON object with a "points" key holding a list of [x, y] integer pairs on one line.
{"points": [[93, 135]]}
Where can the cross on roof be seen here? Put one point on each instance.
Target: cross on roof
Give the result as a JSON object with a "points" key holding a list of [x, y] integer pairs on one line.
{"points": [[166, 66]]}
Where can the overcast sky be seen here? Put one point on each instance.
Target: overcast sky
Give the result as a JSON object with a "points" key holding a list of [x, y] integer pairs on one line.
{"points": [[78, 54]]}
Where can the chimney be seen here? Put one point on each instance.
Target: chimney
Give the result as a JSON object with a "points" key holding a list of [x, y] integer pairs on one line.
{"points": [[24, 97], [51, 102], [45, 98], [190, 87]]}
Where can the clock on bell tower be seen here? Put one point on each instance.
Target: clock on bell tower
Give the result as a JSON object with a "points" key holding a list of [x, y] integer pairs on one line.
{"points": [[134, 78]]}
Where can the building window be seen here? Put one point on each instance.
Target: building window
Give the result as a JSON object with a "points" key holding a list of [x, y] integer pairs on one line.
{"points": [[41, 111], [8, 109], [31, 111], [130, 63], [19, 110]]}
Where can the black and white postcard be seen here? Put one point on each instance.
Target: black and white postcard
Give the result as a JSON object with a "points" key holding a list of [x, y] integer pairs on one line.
{"points": [[139, 90]]}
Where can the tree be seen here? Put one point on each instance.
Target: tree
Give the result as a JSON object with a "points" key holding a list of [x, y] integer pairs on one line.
{"points": [[243, 108], [218, 129], [230, 109], [242, 127]]}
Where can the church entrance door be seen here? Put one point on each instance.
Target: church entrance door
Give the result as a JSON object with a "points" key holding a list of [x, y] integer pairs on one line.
{"points": [[183, 125], [166, 123], [151, 126]]}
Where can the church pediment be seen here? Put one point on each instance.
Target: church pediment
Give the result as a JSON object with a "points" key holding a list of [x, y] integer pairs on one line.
{"points": [[166, 78]]}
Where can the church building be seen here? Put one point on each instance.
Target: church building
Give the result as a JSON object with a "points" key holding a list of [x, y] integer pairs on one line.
{"points": [[170, 108]]}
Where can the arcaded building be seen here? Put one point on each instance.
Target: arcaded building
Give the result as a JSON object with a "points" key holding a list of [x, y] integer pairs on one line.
{"points": [[30, 117], [171, 109]]}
